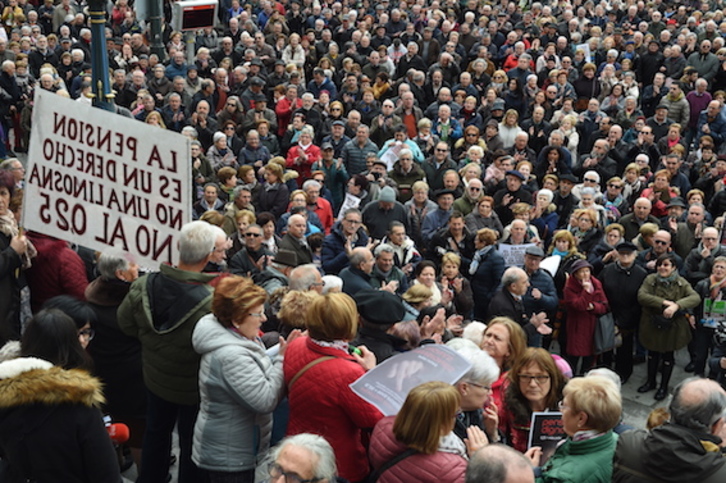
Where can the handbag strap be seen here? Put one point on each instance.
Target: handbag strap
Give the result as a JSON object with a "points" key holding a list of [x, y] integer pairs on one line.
{"points": [[390, 463], [309, 365]]}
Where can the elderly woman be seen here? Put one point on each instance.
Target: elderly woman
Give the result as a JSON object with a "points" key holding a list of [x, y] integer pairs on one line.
{"points": [[116, 356], [318, 371], [484, 216], [301, 156], [220, 155], [425, 274], [584, 300], [415, 299], [604, 252], [586, 232], [459, 286], [15, 253], [274, 195], [660, 193], [239, 384], [590, 410], [431, 452], [475, 387], [665, 297], [509, 127], [544, 215], [535, 384], [486, 271]]}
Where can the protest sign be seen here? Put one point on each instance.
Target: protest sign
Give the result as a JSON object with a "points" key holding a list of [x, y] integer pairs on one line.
{"points": [[387, 385], [514, 254], [102, 180], [546, 431]]}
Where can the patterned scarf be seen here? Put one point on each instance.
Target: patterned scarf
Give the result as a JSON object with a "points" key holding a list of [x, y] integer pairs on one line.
{"points": [[9, 228]]}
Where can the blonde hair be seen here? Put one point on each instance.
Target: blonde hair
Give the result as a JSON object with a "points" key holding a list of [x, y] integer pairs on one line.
{"points": [[294, 307], [598, 397], [331, 317], [434, 402], [517, 339]]}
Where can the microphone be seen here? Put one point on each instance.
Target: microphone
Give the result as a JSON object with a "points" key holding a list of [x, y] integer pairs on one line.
{"points": [[118, 432]]}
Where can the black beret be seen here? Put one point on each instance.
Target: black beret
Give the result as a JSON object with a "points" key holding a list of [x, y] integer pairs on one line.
{"points": [[379, 307]]}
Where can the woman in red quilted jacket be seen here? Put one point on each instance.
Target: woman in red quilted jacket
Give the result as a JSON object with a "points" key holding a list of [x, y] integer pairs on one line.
{"points": [[432, 451], [318, 371]]}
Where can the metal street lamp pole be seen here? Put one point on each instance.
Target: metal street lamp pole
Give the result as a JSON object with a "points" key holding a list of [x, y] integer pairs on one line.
{"points": [[155, 14], [103, 97]]}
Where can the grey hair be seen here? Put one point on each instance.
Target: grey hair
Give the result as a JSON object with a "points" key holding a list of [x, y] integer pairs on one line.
{"points": [[405, 152], [196, 241], [702, 415], [474, 332], [512, 275], [607, 374], [113, 260], [317, 445], [190, 130], [491, 464], [238, 190], [303, 277], [332, 282], [383, 248], [311, 183], [484, 369], [612, 53], [588, 191]]}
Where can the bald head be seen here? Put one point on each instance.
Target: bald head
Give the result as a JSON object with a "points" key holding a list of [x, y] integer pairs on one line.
{"points": [[699, 404], [496, 463]]}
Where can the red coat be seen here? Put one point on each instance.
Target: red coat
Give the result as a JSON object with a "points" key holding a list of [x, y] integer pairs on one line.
{"points": [[440, 467], [580, 321], [660, 207], [57, 270], [284, 110], [313, 154], [322, 403], [325, 213]]}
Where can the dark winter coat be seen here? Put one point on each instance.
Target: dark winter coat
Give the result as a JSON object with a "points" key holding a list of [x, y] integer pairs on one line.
{"points": [[51, 428], [10, 262], [651, 296], [621, 287], [334, 257]]}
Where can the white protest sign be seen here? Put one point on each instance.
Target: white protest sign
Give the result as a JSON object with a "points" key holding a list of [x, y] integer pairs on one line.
{"points": [[102, 180], [387, 385], [514, 254]]}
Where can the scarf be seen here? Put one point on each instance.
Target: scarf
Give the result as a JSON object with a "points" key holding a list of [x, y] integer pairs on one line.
{"points": [[335, 344], [560, 253], [9, 228], [715, 286], [477, 259], [669, 279]]}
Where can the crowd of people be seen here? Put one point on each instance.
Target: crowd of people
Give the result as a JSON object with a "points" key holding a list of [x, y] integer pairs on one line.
{"points": [[369, 179]]}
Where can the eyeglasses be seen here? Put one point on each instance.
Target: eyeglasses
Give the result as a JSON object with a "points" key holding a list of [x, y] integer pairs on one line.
{"points": [[257, 314], [87, 334], [710, 238], [562, 406], [318, 284], [583, 218], [276, 472], [590, 180], [441, 150], [527, 378], [256, 235], [474, 188], [336, 109], [352, 222], [660, 242], [616, 186], [229, 128], [480, 386], [231, 104]]}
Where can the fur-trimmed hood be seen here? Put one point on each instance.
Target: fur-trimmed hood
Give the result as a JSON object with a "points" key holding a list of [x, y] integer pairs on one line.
{"points": [[28, 380]]}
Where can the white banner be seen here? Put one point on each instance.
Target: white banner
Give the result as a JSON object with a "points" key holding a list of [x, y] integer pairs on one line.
{"points": [[102, 180], [514, 254]]}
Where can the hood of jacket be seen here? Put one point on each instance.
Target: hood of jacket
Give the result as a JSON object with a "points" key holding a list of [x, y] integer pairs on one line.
{"points": [[107, 293], [28, 380], [673, 452]]}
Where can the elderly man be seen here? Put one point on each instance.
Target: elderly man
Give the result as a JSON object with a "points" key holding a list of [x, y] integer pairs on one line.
{"points": [[357, 276], [436, 165], [598, 161], [661, 246], [640, 215], [355, 151], [254, 257], [699, 261], [437, 219], [307, 456], [379, 310], [15, 167], [513, 193], [241, 200], [294, 240], [542, 294], [161, 310], [318, 204], [686, 448], [466, 203], [686, 235], [307, 277], [377, 217], [385, 273], [497, 463], [509, 302], [345, 235]]}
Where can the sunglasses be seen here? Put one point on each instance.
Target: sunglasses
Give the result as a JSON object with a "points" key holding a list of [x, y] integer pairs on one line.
{"points": [[250, 235], [590, 180]]}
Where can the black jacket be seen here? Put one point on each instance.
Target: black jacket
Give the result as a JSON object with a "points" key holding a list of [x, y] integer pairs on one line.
{"points": [[621, 287]]}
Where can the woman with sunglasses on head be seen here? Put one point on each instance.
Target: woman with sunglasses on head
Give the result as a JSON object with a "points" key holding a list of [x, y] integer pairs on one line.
{"points": [[239, 384]]}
